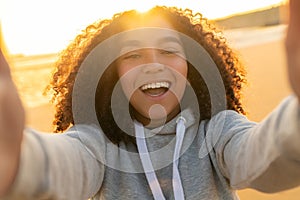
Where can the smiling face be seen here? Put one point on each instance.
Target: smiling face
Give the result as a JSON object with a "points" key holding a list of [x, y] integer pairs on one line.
{"points": [[153, 71]]}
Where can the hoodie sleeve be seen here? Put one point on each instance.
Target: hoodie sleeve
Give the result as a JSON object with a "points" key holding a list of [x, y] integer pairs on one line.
{"points": [[263, 156], [59, 166]]}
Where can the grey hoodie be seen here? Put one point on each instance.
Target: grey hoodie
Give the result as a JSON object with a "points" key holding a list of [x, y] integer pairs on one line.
{"points": [[217, 157]]}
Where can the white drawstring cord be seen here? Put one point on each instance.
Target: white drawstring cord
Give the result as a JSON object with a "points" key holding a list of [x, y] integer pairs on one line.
{"points": [[177, 185], [146, 162], [148, 167]]}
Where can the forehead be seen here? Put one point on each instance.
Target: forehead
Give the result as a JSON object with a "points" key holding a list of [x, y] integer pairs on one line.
{"points": [[149, 32], [148, 21], [149, 37]]}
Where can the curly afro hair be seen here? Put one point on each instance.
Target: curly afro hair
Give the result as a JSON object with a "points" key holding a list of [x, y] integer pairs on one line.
{"points": [[194, 25]]}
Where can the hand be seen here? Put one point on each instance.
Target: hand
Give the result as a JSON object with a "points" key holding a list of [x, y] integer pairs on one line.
{"points": [[293, 46], [12, 122]]}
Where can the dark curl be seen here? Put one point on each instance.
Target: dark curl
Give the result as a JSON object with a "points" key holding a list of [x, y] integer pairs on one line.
{"points": [[185, 21]]}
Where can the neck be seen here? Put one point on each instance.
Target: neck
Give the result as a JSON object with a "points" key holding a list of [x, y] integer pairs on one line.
{"points": [[154, 123]]}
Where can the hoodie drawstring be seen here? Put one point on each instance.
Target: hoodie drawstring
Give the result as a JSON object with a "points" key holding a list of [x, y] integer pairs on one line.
{"points": [[147, 164], [177, 185]]}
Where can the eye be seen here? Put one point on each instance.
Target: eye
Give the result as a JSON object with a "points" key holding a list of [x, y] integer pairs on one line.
{"points": [[132, 55], [169, 52]]}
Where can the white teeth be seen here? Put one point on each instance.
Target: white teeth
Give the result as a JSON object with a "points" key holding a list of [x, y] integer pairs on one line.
{"points": [[163, 84]]}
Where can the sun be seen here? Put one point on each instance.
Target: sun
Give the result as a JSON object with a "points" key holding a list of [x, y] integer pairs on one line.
{"points": [[39, 27], [141, 6]]}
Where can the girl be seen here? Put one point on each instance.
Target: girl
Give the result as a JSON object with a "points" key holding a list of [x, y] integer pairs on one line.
{"points": [[150, 106]]}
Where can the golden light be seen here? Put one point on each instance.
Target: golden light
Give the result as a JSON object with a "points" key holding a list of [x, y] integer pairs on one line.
{"points": [[37, 27], [143, 6]]}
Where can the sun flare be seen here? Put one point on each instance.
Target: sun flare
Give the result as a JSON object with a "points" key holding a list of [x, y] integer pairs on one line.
{"points": [[37, 27]]}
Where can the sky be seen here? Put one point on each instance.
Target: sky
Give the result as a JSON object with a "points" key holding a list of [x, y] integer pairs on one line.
{"points": [[32, 27]]}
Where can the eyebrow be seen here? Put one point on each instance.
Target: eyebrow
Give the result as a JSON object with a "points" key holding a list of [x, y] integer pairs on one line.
{"points": [[170, 39], [138, 43], [131, 43]]}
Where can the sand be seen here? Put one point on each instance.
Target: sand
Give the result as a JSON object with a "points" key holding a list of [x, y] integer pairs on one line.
{"points": [[268, 85]]}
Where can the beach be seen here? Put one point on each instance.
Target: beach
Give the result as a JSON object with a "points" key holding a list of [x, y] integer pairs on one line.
{"points": [[262, 50], [267, 86]]}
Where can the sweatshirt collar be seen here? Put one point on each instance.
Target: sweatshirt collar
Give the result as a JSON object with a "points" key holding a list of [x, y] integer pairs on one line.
{"points": [[170, 127], [176, 126]]}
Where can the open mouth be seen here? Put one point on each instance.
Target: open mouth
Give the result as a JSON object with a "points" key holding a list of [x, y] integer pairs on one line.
{"points": [[155, 89]]}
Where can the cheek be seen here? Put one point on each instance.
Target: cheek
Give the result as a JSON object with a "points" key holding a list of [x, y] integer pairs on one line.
{"points": [[180, 66], [127, 76], [177, 63], [184, 70], [180, 71], [126, 68], [122, 69], [124, 73]]}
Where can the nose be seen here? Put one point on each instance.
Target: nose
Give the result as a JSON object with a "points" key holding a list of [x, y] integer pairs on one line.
{"points": [[152, 64], [153, 68]]}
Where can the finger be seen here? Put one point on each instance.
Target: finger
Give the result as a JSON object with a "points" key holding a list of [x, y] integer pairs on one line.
{"points": [[4, 67], [294, 23], [294, 8], [293, 32], [292, 44]]}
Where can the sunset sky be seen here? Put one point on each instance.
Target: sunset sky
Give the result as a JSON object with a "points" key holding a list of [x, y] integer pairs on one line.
{"points": [[47, 26]]}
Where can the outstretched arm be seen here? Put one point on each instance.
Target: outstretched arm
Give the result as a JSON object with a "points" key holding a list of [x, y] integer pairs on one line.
{"points": [[11, 127], [266, 156], [293, 46], [45, 166]]}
